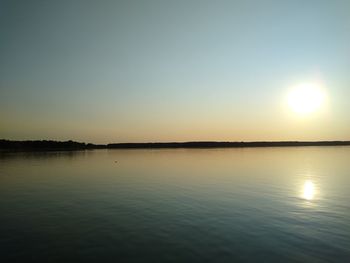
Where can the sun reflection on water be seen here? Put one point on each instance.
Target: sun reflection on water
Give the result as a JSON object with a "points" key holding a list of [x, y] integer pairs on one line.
{"points": [[308, 190]]}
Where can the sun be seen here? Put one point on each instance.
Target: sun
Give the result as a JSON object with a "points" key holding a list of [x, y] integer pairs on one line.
{"points": [[306, 98]]}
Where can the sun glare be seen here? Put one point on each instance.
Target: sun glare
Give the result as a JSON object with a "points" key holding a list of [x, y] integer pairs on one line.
{"points": [[308, 190], [306, 98]]}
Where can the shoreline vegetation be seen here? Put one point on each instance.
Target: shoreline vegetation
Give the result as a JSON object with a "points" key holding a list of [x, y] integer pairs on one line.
{"points": [[38, 145]]}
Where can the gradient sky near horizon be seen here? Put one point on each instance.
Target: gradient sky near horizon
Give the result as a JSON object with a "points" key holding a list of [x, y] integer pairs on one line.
{"points": [[117, 71]]}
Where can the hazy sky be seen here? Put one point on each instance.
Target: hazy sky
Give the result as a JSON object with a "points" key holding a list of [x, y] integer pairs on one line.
{"points": [[116, 71]]}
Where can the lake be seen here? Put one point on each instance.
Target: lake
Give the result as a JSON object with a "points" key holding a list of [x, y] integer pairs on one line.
{"points": [[176, 205]]}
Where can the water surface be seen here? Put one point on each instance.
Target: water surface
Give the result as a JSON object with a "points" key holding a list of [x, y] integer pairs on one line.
{"points": [[176, 205]]}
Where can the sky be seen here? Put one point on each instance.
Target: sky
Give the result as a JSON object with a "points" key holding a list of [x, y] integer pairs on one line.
{"points": [[138, 71]]}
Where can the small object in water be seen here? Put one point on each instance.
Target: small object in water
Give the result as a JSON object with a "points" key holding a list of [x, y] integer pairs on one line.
{"points": [[115, 161]]}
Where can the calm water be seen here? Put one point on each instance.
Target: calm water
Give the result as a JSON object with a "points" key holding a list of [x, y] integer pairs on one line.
{"points": [[222, 205]]}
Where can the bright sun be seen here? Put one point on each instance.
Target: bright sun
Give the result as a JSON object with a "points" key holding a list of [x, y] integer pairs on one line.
{"points": [[306, 98]]}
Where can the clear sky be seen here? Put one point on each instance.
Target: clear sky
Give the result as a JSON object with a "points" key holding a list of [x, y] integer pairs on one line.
{"points": [[117, 71]]}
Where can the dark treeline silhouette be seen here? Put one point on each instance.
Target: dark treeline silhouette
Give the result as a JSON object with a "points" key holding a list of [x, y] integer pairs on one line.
{"points": [[213, 144], [71, 145], [45, 145]]}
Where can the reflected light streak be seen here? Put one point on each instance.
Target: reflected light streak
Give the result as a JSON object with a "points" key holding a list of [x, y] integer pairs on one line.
{"points": [[308, 190]]}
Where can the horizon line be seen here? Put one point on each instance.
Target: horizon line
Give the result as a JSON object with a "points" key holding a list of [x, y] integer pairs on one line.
{"points": [[71, 145]]}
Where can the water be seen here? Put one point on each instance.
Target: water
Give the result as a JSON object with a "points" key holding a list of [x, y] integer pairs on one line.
{"points": [[176, 205]]}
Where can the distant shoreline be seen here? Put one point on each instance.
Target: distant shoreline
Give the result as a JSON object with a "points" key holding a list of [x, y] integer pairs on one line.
{"points": [[72, 145]]}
